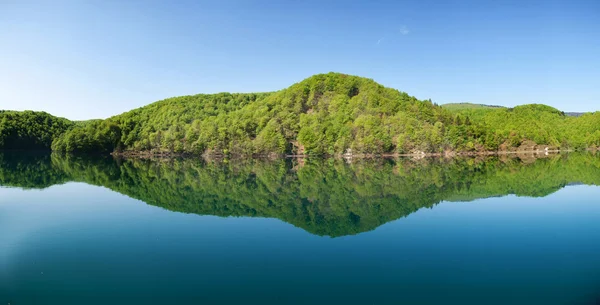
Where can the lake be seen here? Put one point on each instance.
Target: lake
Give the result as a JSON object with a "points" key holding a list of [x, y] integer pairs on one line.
{"points": [[493, 230]]}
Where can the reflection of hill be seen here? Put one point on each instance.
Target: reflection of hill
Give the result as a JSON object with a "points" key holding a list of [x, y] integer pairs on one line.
{"points": [[29, 170], [324, 197]]}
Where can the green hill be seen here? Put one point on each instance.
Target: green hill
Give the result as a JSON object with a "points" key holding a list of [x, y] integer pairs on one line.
{"points": [[541, 124], [30, 129], [325, 114], [465, 107]]}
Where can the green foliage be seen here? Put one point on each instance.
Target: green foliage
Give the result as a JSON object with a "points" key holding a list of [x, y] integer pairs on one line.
{"points": [[91, 137], [326, 114], [30, 130], [541, 124], [323, 196]]}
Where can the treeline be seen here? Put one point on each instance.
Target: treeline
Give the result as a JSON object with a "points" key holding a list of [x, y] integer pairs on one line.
{"points": [[326, 114], [538, 123], [323, 196], [30, 130]]}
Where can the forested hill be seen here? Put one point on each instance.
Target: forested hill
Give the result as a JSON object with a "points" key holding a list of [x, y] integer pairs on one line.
{"points": [[533, 123], [325, 114], [30, 130]]}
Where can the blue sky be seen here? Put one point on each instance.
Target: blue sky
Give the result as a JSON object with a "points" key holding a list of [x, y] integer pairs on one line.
{"points": [[93, 59]]}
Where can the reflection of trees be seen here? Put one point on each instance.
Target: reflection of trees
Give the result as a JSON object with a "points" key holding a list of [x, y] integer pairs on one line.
{"points": [[324, 197]]}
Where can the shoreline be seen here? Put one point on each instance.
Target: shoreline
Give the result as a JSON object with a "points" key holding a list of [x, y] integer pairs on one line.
{"points": [[450, 154]]}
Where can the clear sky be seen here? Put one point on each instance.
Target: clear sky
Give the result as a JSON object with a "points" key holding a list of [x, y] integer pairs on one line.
{"points": [[85, 59]]}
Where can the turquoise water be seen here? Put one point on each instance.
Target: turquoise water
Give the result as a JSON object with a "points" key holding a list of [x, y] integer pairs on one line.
{"points": [[104, 231]]}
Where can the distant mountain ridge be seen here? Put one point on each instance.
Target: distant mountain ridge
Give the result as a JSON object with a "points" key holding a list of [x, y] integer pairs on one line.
{"points": [[456, 106], [575, 114], [465, 106]]}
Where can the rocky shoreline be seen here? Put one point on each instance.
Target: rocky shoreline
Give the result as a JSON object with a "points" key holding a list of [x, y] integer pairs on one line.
{"points": [[417, 154]]}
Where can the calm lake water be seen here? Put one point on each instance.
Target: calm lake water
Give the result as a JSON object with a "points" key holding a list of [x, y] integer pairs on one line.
{"points": [[507, 230]]}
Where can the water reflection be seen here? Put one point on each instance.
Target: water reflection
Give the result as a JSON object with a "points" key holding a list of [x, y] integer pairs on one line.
{"points": [[322, 196]]}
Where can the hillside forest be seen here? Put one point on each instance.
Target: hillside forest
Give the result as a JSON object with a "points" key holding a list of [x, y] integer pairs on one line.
{"points": [[326, 114]]}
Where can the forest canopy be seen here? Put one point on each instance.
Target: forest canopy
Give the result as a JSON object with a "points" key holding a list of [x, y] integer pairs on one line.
{"points": [[326, 114], [30, 129]]}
